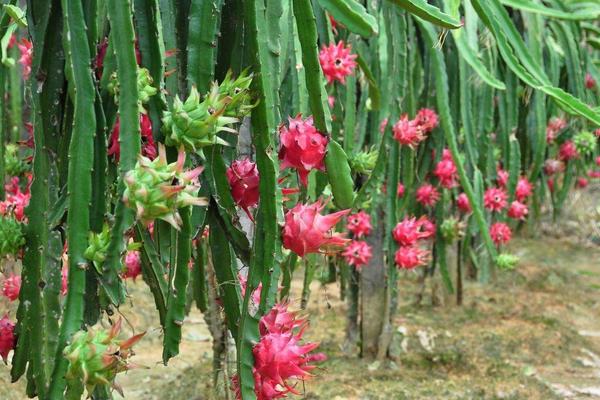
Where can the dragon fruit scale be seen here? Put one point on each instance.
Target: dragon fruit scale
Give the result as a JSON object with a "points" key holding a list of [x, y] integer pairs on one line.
{"points": [[156, 189], [95, 358], [195, 124]]}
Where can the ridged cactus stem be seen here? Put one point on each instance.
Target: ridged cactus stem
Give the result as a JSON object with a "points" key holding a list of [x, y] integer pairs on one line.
{"points": [[267, 246], [123, 37], [79, 184], [204, 25]]}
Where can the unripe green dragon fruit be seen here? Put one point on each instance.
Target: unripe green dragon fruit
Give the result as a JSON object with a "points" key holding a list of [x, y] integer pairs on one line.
{"points": [[585, 142], [11, 235], [194, 124], [95, 358], [156, 189], [507, 261], [363, 162], [144, 85], [98, 246], [237, 93], [13, 164], [452, 229]]}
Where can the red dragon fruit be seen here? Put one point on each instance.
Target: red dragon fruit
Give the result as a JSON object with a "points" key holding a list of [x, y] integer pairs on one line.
{"points": [[427, 120], [500, 233], [307, 231], [524, 189], [359, 224], [26, 49], [408, 231], [280, 320], [590, 82], [257, 292], [446, 172], [517, 210], [148, 146], [410, 257], [495, 199], [400, 190], [15, 205], [133, 265], [337, 62], [567, 151], [279, 357], [501, 177], [7, 337], [11, 287], [553, 166], [554, 127], [427, 195], [407, 132], [243, 180], [302, 147], [463, 203], [581, 182], [357, 253]]}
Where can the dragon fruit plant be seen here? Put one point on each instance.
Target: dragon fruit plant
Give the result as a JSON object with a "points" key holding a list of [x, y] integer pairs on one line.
{"points": [[138, 135]]}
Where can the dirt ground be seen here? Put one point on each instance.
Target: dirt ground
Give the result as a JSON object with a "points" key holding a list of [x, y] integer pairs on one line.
{"points": [[533, 334]]}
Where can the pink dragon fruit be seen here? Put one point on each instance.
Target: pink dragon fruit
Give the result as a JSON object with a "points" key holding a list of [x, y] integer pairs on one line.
{"points": [[524, 189], [400, 190], [133, 265], [410, 257], [148, 146], [555, 126], [243, 180], [337, 62], [581, 182], [427, 120], [408, 231], [11, 287], [567, 151], [15, 205], [307, 231], [590, 82], [279, 356], [427, 195], [446, 172], [7, 337], [517, 210], [463, 203], [500, 233], [501, 177], [302, 147], [257, 292], [408, 132], [357, 253], [359, 224], [26, 49], [553, 166], [495, 199]]}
